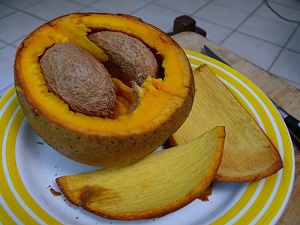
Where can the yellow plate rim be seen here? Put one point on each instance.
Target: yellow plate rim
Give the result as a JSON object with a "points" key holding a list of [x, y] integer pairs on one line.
{"points": [[261, 202]]}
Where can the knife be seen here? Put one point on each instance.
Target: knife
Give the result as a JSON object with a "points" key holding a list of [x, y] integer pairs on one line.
{"points": [[292, 123]]}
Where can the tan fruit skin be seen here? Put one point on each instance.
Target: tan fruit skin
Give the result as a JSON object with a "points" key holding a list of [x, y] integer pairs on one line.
{"points": [[102, 150]]}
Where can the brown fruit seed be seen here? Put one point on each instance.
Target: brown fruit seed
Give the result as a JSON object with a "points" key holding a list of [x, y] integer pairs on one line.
{"points": [[79, 79], [128, 58]]}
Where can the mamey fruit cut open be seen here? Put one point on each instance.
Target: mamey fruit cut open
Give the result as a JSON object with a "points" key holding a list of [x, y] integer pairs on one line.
{"points": [[133, 130]]}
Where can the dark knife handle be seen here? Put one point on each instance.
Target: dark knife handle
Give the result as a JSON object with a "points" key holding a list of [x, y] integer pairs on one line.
{"points": [[294, 127]]}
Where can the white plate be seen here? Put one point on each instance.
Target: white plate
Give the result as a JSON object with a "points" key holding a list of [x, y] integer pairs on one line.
{"points": [[28, 169]]}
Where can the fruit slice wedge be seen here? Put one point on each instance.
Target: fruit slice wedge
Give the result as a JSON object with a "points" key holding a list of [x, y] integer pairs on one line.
{"points": [[248, 152], [154, 186]]}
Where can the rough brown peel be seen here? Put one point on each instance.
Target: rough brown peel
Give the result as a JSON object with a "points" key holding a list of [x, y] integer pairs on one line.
{"points": [[79, 79], [128, 58]]}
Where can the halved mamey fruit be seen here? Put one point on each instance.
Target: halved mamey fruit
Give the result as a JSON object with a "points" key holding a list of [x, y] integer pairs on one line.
{"points": [[137, 125], [159, 184], [248, 153]]}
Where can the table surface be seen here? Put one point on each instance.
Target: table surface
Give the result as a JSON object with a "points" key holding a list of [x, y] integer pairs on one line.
{"points": [[281, 92]]}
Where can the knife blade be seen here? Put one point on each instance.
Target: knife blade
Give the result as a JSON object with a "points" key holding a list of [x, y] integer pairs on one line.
{"points": [[292, 123], [213, 55]]}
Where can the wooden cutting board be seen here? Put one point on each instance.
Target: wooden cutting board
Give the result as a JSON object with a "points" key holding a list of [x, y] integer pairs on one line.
{"points": [[280, 91]]}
